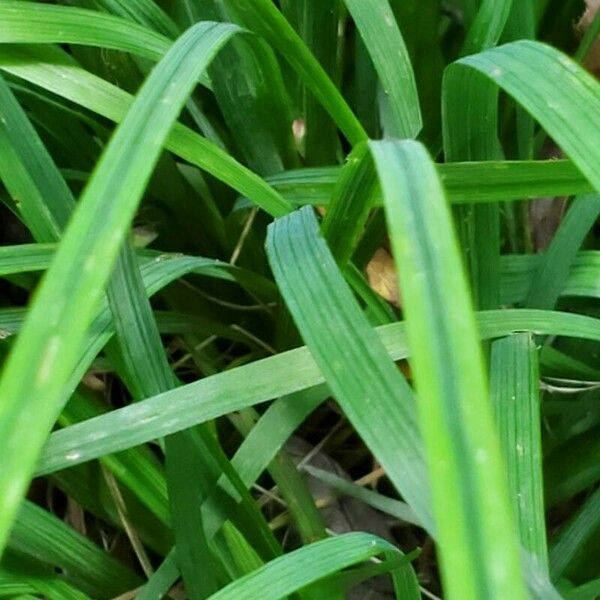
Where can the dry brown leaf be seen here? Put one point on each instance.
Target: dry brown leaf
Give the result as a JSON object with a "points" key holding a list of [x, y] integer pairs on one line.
{"points": [[381, 274]]}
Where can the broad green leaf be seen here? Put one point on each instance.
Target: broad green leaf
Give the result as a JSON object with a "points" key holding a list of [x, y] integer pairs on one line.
{"points": [[469, 487]]}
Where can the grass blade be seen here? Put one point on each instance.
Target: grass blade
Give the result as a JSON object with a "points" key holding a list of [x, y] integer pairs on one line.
{"points": [[469, 488], [61, 76], [552, 271], [258, 382], [262, 17], [376, 398], [574, 534], [381, 35], [515, 394], [302, 567], [530, 72], [465, 182], [35, 23], [50, 340]]}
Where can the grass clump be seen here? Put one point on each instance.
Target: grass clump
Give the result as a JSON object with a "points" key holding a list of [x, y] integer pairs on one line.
{"points": [[299, 299]]}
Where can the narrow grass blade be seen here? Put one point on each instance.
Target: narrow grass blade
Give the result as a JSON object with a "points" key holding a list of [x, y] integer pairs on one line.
{"points": [[148, 373], [318, 23], [25, 258], [43, 536], [553, 269], [296, 570], [137, 469], [518, 270], [515, 394], [27, 172], [18, 569], [272, 430], [49, 343], [146, 12], [572, 467], [249, 89], [395, 508], [263, 17], [350, 204], [59, 75], [381, 35], [488, 25], [574, 534], [35, 23], [468, 136], [469, 488], [162, 580], [587, 591]]}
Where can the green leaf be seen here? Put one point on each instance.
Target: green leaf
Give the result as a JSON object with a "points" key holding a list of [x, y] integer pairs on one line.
{"points": [[58, 75], [515, 394], [35, 23], [262, 17], [380, 33], [469, 488], [48, 346], [487, 27], [371, 391], [161, 581], [348, 210], [395, 508], [574, 534], [43, 536], [553, 269], [465, 183], [531, 72], [302, 567], [258, 382]]}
